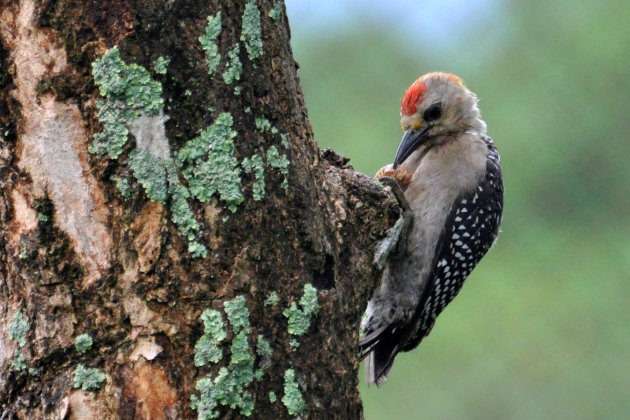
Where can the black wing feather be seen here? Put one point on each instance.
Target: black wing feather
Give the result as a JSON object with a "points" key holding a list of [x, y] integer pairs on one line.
{"points": [[459, 250]]}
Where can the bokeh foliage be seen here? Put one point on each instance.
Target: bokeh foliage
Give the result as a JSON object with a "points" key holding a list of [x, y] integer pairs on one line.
{"points": [[541, 328]]}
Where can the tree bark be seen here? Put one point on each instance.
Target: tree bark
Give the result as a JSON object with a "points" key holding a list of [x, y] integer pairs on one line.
{"points": [[108, 261]]}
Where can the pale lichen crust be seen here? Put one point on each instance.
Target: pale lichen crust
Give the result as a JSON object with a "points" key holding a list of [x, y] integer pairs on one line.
{"points": [[234, 66], [228, 388], [83, 343], [207, 347], [262, 347], [88, 379], [18, 328], [17, 332], [271, 299], [256, 165], [299, 318], [128, 91], [251, 32], [161, 64], [292, 399], [272, 397], [132, 103], [264, 125], [275, 12], [209, 164], [209, 42], [280, 162]]}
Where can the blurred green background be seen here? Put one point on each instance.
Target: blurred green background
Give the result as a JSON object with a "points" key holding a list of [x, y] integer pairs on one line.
{"points": [[542, 328]]}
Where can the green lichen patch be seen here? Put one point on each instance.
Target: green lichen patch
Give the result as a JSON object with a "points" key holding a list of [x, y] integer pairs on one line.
{"points": [[18, 361], [210, 166], [234, 66], [122, 184], [213, 324], [206, 350], [88, 378], [17, 332], [251, 32], [112, 139], [18, 328], [263, 348], [237, 312], [129, 90], [161, 64], [229, 386], [285, 140], [197, 250], [292, 399], [226, 389], [132, 101], [24, 254], [272, 397], [300, 317], [207, 401], [309, 302], [256, 165], [207, 347], [262, 124], [280, 162], [181, 214], [294, 343], [275, 12], [240, 348], [83, 343], [271, 299], [150, 171], [209, 42]]}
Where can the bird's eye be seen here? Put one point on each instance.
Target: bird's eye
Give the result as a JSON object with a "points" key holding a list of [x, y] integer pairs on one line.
{"points": [[433, 113]]}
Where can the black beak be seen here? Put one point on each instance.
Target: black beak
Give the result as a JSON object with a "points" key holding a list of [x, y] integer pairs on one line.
{"points": [[410, 141]]}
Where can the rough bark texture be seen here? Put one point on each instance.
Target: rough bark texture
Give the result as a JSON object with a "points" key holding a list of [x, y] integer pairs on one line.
{"points": [[78, 256]]}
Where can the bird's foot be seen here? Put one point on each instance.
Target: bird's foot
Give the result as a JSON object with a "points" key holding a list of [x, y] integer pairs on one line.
{"points": [[407, 215]]}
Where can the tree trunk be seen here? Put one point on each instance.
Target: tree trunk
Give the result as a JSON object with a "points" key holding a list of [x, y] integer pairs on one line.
{"points": [[146, 181]]}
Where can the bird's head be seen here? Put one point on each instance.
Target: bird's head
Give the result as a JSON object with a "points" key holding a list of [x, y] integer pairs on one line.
{"points": [[435, 108]]}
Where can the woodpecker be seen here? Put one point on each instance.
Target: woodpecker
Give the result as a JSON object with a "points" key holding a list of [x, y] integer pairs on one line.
{"points": [[448, 180]]}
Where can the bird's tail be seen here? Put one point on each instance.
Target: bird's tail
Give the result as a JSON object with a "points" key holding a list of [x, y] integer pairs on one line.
{"points": [[379, 348]]}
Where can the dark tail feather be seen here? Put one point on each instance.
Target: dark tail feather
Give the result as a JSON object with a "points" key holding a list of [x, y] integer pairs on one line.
{"points": [[369, 341], [380, 347]]}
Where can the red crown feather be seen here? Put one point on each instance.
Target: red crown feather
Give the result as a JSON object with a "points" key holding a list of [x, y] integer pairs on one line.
{"points": [[413, 96], [415, 93]]}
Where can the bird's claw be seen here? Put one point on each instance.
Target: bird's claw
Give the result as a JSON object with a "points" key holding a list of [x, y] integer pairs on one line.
{"points": [[398, 193]]}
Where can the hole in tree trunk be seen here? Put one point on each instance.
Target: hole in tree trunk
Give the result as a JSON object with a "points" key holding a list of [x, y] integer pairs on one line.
{"points": [[325, 279]]}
